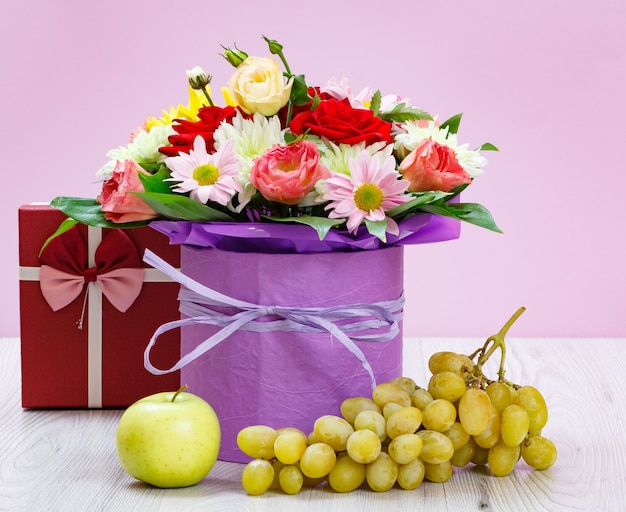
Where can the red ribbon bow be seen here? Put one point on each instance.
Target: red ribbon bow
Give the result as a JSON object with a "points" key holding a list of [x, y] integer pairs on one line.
{"points": [[65, 272]]}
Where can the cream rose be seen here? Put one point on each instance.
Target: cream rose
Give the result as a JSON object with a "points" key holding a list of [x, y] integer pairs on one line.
{"points": [[257, 85]]}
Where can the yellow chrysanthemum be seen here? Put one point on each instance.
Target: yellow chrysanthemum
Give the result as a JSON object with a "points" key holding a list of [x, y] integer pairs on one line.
{"points": [[189, 112]]}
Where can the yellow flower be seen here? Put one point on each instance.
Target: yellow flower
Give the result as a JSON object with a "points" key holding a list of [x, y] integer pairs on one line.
{"points": [[189, 112]]}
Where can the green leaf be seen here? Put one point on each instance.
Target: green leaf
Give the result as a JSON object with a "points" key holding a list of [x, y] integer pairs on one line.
{"points": [[377, 228], [65, 225], [488, 146], [321, 224], [473, 213], [300, 91], [452, 124], [375, 103], [152, 167], [420, 199], [177, 206], [401, 112], [155, 182], [88, 211]]}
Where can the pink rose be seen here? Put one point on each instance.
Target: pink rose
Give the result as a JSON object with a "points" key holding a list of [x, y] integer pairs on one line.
{"points": [[286, 174], [433, 166], [117, 203]]}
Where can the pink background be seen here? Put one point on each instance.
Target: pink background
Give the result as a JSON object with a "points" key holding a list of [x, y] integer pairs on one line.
{"points": [[544, 80]]}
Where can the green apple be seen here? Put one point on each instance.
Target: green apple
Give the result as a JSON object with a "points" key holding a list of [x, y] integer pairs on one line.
{"points": [[169, 439]]}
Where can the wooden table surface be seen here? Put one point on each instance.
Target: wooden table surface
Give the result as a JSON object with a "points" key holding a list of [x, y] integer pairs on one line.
{"points": [[65, 460]]}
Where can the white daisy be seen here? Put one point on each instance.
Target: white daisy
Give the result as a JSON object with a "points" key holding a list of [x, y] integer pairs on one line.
{"points": [[144, 148], [336, 157], [251, 138]]}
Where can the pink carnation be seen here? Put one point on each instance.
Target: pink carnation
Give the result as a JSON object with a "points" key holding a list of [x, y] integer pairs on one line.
{"points": [[117, 203], [433, 166], [286, 174]]}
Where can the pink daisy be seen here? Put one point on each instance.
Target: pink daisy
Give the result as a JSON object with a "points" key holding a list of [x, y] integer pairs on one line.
{"points": [[208, 177], [372, 188]]}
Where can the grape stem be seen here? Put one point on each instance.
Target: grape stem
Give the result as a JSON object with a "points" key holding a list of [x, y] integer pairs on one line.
{"points": [[496, 341]]}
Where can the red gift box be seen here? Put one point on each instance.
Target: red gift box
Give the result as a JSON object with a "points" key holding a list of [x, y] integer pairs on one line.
{"points": [[89, 353]]}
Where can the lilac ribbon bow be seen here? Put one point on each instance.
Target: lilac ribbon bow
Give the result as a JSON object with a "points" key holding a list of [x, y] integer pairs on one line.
{"points": [[197, 301]]}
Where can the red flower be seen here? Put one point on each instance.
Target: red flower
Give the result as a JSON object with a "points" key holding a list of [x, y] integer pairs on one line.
{"points": [[342, 124], [186, 131]]}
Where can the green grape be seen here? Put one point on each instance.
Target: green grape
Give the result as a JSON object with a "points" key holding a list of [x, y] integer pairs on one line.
{"points": [[436, 447], [420, 398], [351, 407], [333, 430], [502, 458], [532, 400], [474, 411], [440, 472], [277, 466], [439, 415], [289, 446], [514, 425], [405, 448], [291, 479], [447, 385], [406, 383], [500, 395], [539, 452], [363, 446], [382, 473], [318, 460], [257, 476], [456, 433], [489, 437], [312, 438], [463, 456], [450, 362], [307, 481], [389, 408], [257, 441], [480, 455], [411, 475], [347, 475], [371, 420], [388, 392], [405, 420], [290, 429]]}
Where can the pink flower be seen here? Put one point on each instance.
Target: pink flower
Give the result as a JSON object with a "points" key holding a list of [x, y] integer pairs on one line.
{"points": [[208, 177], [286, 174], [372, 188], [117, 203], [433, 166]]}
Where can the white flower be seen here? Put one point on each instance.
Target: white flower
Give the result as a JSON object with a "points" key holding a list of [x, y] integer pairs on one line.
{"points": [[144, 148], [251, 138], [336, 157], [412, 134]]}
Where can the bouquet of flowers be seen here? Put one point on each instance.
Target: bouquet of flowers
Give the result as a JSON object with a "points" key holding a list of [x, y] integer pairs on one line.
{"points": [[283, 151]]}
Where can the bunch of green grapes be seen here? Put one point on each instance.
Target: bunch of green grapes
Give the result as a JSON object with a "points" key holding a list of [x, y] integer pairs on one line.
{"points": [[404, 434]]}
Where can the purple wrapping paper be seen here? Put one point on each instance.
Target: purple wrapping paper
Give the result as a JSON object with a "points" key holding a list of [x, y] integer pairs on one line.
{"points": [[286, 379], [275, 237]]}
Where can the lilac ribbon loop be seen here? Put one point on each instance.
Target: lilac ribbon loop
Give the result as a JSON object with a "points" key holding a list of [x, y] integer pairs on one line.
{"points": [[197, 302]]}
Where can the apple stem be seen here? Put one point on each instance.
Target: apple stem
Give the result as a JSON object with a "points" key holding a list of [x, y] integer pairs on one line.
{"points": [[183, 388]]}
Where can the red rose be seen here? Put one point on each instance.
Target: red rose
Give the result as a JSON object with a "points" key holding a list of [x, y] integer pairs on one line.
{"points": [[342, 124], [186, 131]]}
